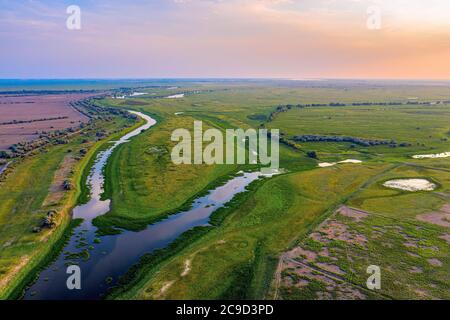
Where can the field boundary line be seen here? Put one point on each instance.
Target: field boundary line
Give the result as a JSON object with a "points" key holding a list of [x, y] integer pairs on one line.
{"points": [[425, 167]]}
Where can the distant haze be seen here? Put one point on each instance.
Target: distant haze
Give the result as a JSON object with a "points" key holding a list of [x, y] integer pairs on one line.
{"points": [[225, 38]]}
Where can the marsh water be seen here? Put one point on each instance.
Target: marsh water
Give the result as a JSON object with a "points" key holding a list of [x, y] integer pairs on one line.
{"points": [[102, 260]]}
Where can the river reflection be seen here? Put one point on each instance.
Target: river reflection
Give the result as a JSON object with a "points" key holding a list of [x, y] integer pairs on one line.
{"points": [[102, 263]]}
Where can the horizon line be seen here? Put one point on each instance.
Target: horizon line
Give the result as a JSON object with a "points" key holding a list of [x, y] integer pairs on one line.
{"points": [[225, 78]]}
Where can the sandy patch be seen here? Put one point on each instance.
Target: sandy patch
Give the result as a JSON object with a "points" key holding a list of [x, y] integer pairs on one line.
{"points": [[330, 268], [446, 237], [412, 254], [356, 214], [300, 276], [446, 208], [166, 287], [136, 94], [187, 267], [432, 156], [440, 218], [6, 278], [410, 244], [326, 164], [330, 164], [421, 293], [56, 191], [334, 230], [415, 270], [176, 96], [410, 184], [324, 252], [307, 255], [350, 161], [435, 262]]}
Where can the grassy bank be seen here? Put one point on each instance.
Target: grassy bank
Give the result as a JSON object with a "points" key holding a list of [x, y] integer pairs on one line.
{"points": [[23, 194], [238, 258], [150, 263], [92, 156], [249, 238], [145, 185]]}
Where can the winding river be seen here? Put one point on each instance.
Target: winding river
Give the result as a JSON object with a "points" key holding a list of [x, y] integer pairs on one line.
{"points": [[104, 259]]}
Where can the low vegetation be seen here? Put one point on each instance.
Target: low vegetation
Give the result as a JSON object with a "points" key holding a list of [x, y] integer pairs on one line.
{"points": [[33, 223], [309, 233]]}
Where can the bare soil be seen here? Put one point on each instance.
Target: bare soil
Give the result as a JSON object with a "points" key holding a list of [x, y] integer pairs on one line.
{"points": [[300, 275], [440, 218], [56, 192], [335, 230], [36, 107], [356, 214]]}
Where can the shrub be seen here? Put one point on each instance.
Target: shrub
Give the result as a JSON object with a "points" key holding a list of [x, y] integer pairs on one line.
{"points": [[312, 154]]}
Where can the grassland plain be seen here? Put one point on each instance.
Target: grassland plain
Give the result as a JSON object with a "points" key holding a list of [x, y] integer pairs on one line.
{"points": [[237, 259], [28, 193], [242, 251], [424, 128], [404, 205], [331, 263], [142, 181], [379, 227], [145, 185]]}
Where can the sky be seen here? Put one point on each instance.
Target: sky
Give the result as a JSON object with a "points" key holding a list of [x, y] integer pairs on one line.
{"points": [[294, 39]]}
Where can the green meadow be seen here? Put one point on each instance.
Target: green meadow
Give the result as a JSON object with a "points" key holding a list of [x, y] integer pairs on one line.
{"points": [[241, 255], [238, 257], [423, 128], [26, 195]]}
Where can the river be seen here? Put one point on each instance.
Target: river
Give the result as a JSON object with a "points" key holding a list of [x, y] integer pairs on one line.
{"points": [[112, 255]]}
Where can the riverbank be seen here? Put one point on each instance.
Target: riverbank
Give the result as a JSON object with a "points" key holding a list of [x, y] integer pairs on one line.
{"points": [[58, 236], [145, 186], [95, 191], [4, 167], [237, 259], [149, 263]]}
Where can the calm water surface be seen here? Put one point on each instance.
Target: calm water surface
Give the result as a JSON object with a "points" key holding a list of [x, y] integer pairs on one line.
{"points": [[115, 254]]}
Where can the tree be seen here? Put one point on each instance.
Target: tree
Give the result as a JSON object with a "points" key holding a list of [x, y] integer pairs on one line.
{"points": [[4, 154], [312, 154]]}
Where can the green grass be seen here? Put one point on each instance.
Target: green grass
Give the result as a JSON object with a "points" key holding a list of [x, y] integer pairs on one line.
{"points": [[145, 185], [404, 204], [424, 127], [386, 247], [250, 238], [395, 241], [22, 195], [237, 258]]}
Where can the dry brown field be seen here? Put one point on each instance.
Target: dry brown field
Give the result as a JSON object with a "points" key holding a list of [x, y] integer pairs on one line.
{"points": [[48, 112]]}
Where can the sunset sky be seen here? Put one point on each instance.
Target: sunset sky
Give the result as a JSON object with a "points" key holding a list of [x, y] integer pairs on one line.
{"points": [[225, 38]]}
